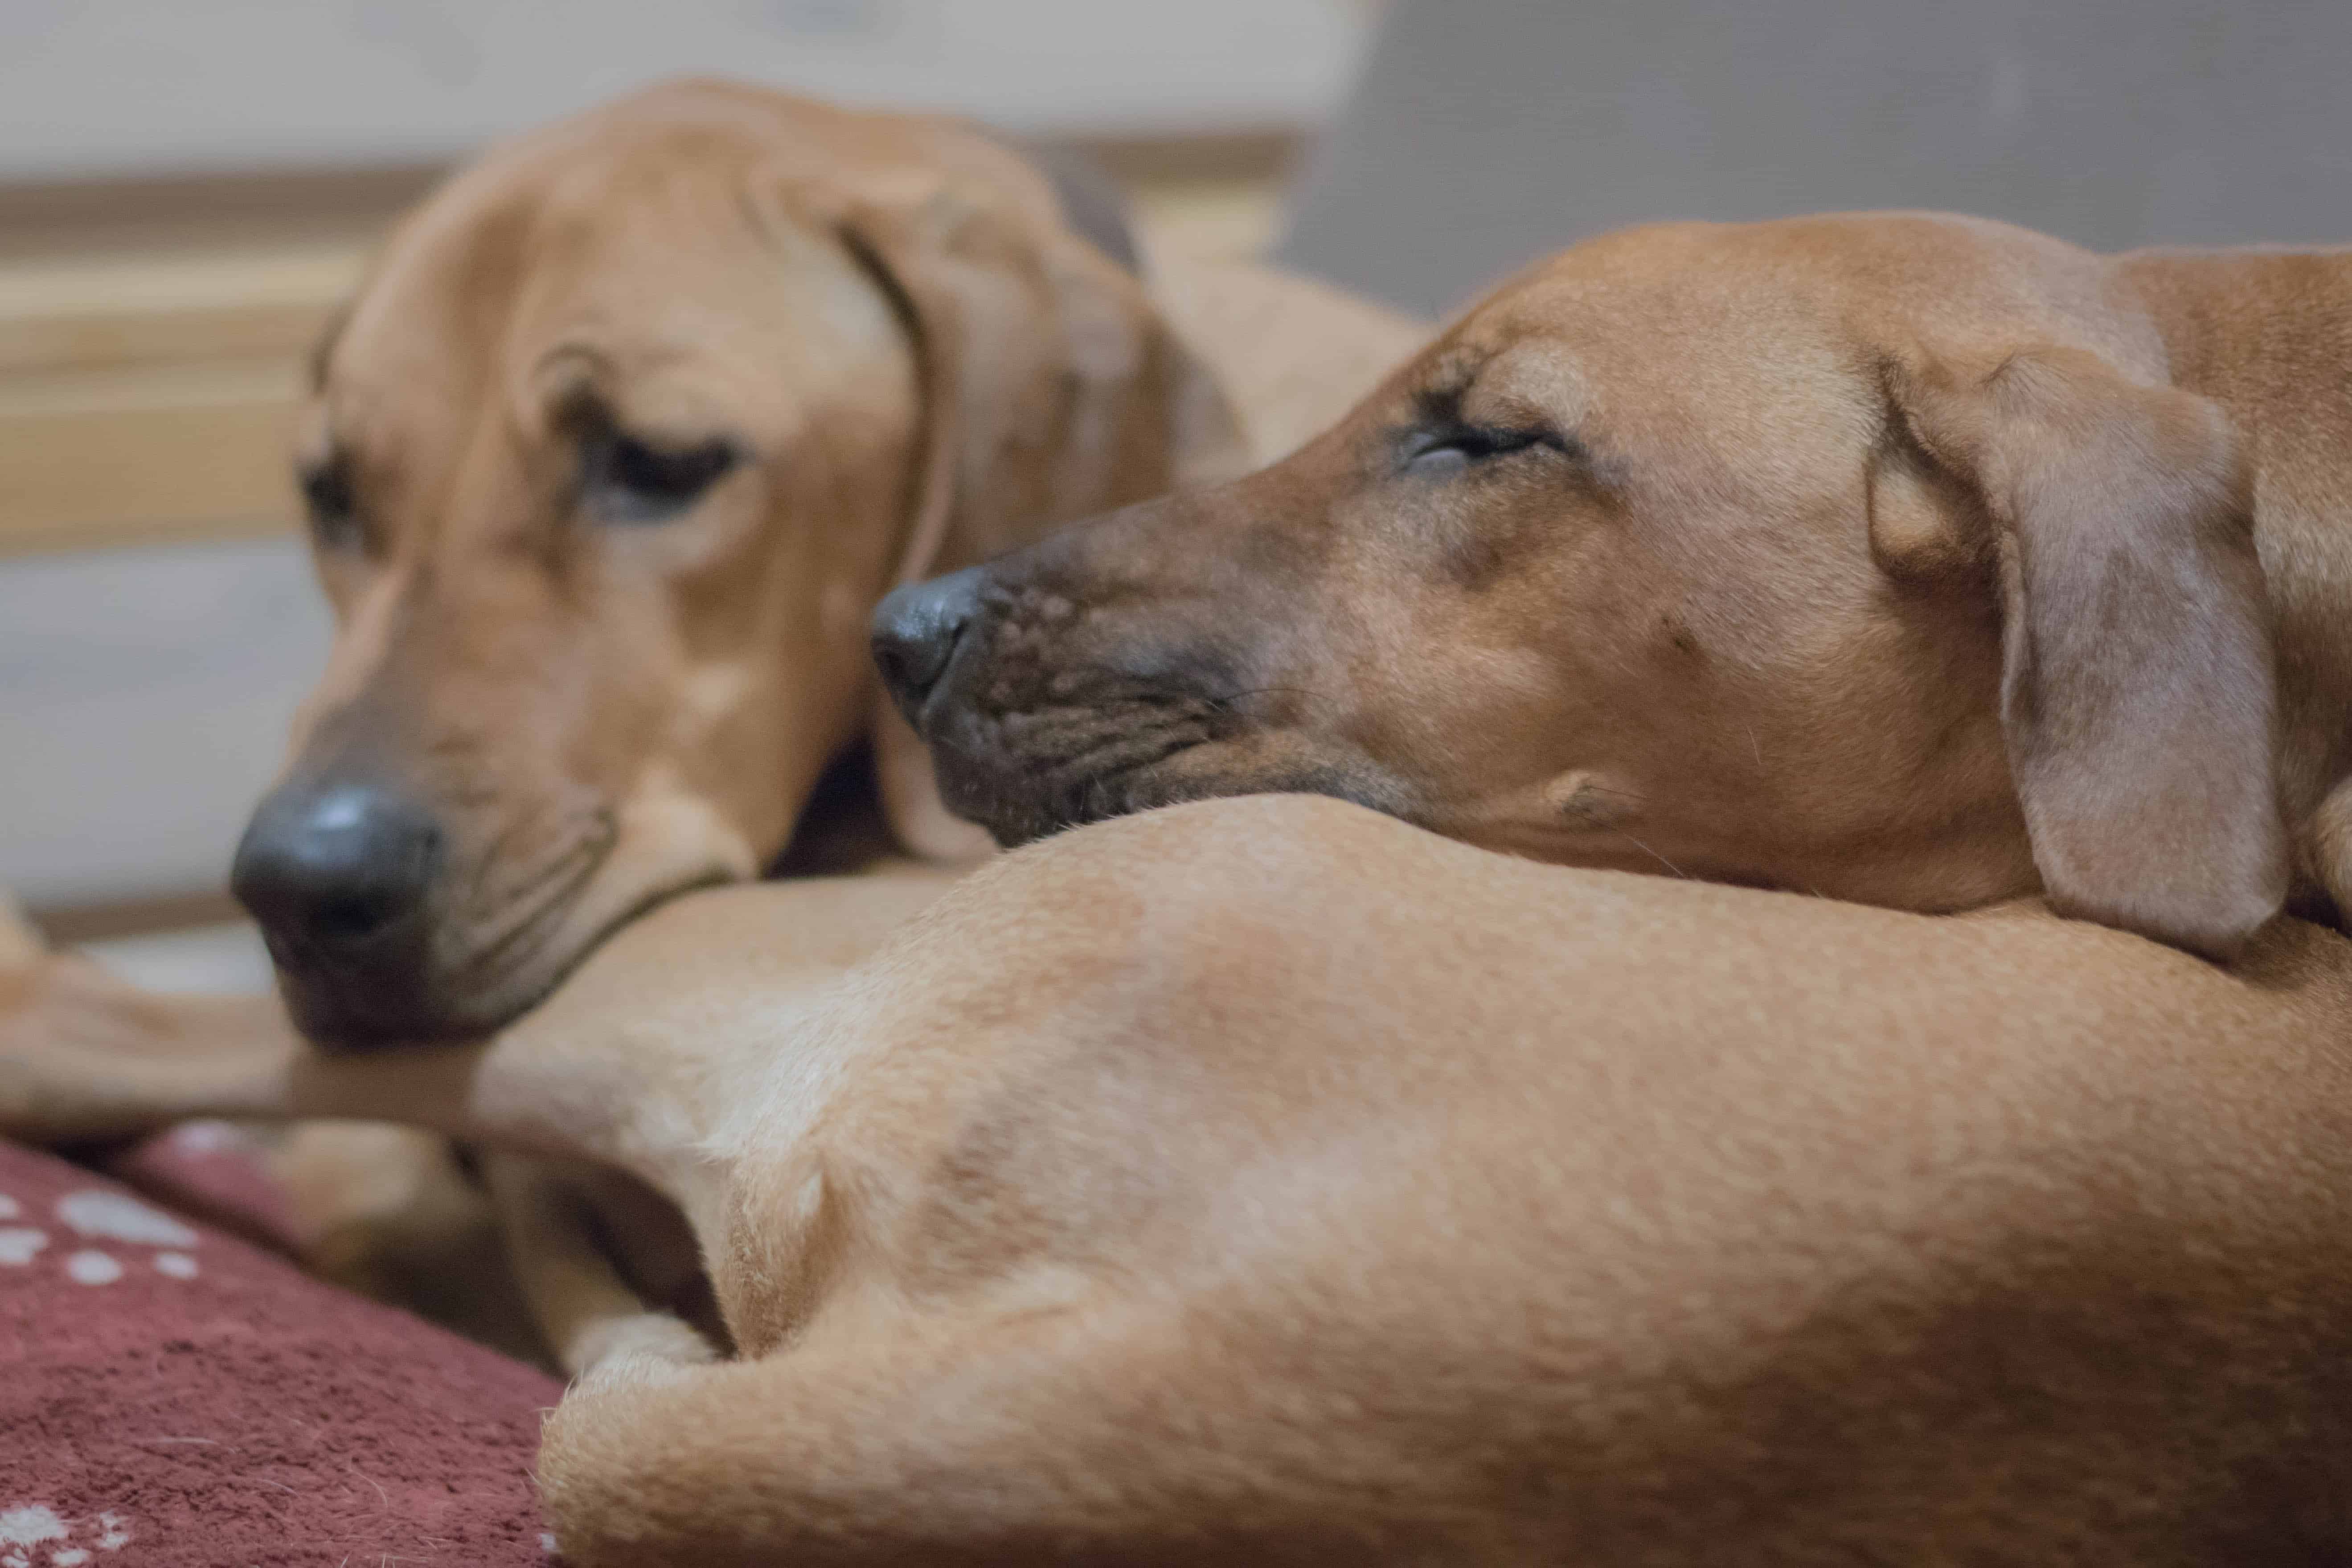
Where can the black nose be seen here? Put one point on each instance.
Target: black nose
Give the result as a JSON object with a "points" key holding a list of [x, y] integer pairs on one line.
{"points": [[330, 867], [915, 633]]}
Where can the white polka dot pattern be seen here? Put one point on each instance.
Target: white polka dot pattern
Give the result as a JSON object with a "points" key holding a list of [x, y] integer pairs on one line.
{"points": [[92, 1268], [99, 1216]]}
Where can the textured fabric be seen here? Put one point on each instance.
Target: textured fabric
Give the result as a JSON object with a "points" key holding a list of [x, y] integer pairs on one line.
{"points": [[217, 1173], [173, 1398]]}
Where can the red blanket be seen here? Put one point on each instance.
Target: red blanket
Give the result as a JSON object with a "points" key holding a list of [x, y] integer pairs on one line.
{"points": [[171, 1395]]}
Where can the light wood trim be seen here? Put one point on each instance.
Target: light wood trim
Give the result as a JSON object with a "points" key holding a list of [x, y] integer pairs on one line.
{"points": [[149, 397], [105, 310], [140, 454], [76, 219]]}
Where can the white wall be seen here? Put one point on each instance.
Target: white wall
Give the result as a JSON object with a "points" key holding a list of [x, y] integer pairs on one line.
{"points": [[144, 696], [91, 86]]}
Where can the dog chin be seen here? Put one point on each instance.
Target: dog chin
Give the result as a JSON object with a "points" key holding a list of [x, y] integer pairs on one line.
{"points": [[350, 1020], [353, 1013], [1016, 807], [1022, 814], [360, 1016]]}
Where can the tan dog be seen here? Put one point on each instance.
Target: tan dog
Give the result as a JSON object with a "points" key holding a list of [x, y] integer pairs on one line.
{"points": [[625, 433], [1269, 1181], [1907, 559]]}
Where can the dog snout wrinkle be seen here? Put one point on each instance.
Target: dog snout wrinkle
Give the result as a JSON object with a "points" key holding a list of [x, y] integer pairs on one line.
{"points": [[914, 631], [335, 868]]}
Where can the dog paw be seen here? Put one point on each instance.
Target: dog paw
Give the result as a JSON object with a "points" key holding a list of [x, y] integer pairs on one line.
{"points": [[637, 1351], [75, 1044]]}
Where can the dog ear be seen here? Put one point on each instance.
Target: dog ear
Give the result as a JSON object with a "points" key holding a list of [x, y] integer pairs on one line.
{"points": [[1052, 388], [2136, 691]]}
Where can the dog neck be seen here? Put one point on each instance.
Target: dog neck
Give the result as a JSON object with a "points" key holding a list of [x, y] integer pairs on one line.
{"points": [[2261, 332]]}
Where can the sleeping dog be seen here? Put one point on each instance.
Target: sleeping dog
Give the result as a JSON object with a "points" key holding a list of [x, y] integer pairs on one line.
{"points": [[1901, 558]]}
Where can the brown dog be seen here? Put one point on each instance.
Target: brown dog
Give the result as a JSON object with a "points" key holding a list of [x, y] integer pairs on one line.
{"points": [[1269, 1181], [622, 438], [1900, 558]]}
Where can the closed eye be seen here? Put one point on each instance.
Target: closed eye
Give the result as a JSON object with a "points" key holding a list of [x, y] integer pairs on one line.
{"points": [[623, 479], [1443, 452]]}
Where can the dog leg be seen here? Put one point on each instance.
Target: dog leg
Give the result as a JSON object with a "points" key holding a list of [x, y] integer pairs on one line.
{"points": [[393, 1213], [89, 1058], [587, 1311], [950, 1437], [86, 1058], [655, 1459], [84, 1055], [2330, 847], [381, 1210]]}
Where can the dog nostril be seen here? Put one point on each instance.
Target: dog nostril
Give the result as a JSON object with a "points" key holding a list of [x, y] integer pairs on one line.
{"points": [[916, 630], [898, 672], [339, 922]]}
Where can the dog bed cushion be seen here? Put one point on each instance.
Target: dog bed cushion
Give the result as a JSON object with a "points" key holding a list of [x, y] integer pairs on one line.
{"points": [[171, 1395]]}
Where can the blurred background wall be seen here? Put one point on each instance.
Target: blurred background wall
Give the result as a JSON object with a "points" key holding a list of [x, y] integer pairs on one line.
{"points": [[1487, 133], [145, 86]]}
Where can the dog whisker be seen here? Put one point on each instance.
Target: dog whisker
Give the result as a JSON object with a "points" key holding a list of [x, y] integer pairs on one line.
{"points": [[1230, 697], [1653, 854]]}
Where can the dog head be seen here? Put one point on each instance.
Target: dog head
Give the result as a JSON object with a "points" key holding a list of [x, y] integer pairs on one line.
{"points": [[1872, 555], [607, 466]]}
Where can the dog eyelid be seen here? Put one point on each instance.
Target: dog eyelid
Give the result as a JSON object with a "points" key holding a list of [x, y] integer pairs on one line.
{"points": [[1448, 448], [627, 479], [330, 500]]}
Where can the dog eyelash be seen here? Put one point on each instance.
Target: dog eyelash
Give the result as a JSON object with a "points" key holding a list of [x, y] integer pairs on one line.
{"points": [[1431, 452]]}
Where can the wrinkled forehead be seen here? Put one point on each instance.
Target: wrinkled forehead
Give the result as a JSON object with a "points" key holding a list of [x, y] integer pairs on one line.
{"points": [[419, 341], [677, 275], [1660, 340]]}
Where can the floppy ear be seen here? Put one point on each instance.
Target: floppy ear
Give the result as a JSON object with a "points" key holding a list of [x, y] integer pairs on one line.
{"points": [[1053, 389], [2137, 693]]}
